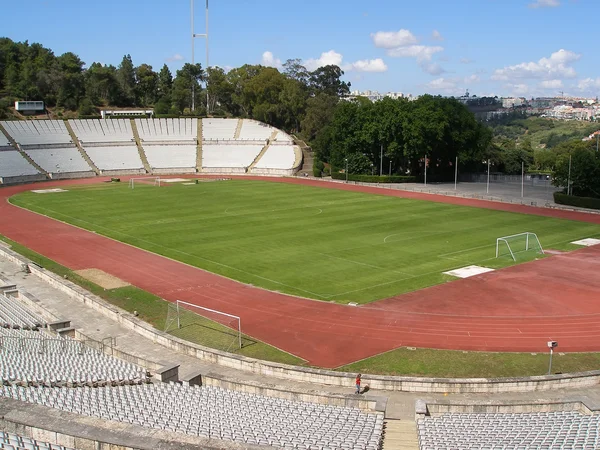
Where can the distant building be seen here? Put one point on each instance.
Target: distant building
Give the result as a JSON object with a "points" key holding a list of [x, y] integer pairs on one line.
{"points": [[374, 95], [30, 107], [513, 102], [106, 113]]}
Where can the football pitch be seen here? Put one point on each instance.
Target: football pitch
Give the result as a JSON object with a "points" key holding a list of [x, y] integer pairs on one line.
{"points": [[313, 242]]}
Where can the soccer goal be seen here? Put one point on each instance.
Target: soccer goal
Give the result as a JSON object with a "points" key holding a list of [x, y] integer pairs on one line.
{"points": [[213, 328], [517, 243], [152, 181]]}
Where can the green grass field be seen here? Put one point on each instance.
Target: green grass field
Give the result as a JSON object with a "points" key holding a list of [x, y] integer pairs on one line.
{"points": [[319, 243]]}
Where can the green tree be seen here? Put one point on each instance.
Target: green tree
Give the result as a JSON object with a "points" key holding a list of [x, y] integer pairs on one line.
{"points": [[327, 79], [164, 82], [220, 90], [585, 169], [187, 82], [147, 84], [126, 78]]}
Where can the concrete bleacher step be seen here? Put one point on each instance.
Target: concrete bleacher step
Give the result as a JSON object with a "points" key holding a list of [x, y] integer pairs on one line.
{"points": [[400, 435], [81, 150], [199, 148], [238, 129], [263, 150], [141, 151]]}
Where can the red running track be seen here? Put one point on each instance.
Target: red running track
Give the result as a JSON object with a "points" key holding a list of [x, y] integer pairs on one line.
{"points": [[514, 309]]}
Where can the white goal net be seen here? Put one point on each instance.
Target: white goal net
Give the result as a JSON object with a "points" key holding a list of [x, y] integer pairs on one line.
{"points": [[215, 329], [518, 243], [152, 181]]}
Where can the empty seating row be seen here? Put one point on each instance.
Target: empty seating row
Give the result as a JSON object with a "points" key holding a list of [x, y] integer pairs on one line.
{"points": [[14, 164], [167, 129], [229, 155], [277, 157], [116, 157], [102, 130], [13, 441], [171, 156], [218, 129], [38, 132], [59, 160], [51, 361], [550, 430], [14, 315], [252, 130], [213, 412]]}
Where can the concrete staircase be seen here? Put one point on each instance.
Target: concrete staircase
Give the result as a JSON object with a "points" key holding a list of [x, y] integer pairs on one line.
{"points": [[400, 435], [238, 129], [307, 159], [262, 151], [199, 148], [80, 148], [14, 144], [141, 151]]}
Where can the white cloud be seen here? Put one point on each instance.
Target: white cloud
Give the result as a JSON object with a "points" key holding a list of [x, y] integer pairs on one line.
{"points": [[175, 57], [554, 67], [551, 84], [269, 60], [437, 36], [327, 58], [589, 83], [392, 39], [545, 4], [421, 52], [367, 65], [518, 89], [452, 86], [431, 68], [334, 58]]}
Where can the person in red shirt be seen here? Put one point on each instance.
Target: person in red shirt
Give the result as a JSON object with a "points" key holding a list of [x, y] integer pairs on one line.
{"points": [[358, 383]]}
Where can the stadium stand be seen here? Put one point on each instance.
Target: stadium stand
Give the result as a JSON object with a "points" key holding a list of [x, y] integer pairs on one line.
{"points": [[217, 413], [228, 157], [48, 144], [253, 130], [170, 145], [14, 441], [13, 164], [543, 430], [276, 157], [218, 129], [68, 375], [110, 144], [15, 316]]}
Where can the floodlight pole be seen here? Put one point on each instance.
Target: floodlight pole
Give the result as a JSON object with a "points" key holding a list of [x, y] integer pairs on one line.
{"points": [[346, 170], [425, 169], [550, 364], [390, 167], [204, 35], [522, 177], [569, 178], [381, 161], [487, 191], [455, 173]]}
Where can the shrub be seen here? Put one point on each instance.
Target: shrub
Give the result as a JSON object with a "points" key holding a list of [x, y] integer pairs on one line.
{"points": [[374, 178], [115, 180], [581, 202], [318, 168]]}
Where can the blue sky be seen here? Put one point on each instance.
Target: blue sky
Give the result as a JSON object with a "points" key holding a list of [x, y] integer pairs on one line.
{"points": [[490, 47]]}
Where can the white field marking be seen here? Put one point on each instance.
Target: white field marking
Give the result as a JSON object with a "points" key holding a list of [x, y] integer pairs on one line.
{"points": [[188, 184], [414, 235], [587, 242], [173, 180], [185, 253], [48, 191], [468, 271], [465, 250], [365, 264]]}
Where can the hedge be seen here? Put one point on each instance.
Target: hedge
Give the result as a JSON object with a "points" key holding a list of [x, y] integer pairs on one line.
{"points": [[374, 178], [582, 202]]}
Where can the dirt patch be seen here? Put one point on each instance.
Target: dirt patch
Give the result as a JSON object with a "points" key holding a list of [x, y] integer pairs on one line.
{"points": [[551, 251], [101, 278]]}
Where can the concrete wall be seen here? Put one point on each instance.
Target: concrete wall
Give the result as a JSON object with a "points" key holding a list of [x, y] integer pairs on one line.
{"points": [[166, 171], [71, 175], [224, 170], [310, 375], [23, 179]]}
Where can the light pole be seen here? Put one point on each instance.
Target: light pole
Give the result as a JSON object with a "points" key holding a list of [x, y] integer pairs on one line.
{"points": [[204, 35], [551, 345], [569, 178], [425, 169], [371, 169], [346, 169], [455, 173], [390, 167], [522, 178], [381, 161], [488, 178]]}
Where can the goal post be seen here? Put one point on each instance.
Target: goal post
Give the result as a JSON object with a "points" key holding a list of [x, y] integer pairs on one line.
{"points": [[182, 314], [152, 181], [517, 243]]}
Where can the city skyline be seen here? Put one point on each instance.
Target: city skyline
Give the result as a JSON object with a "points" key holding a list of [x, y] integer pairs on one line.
{"points": [[508, 48]]}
